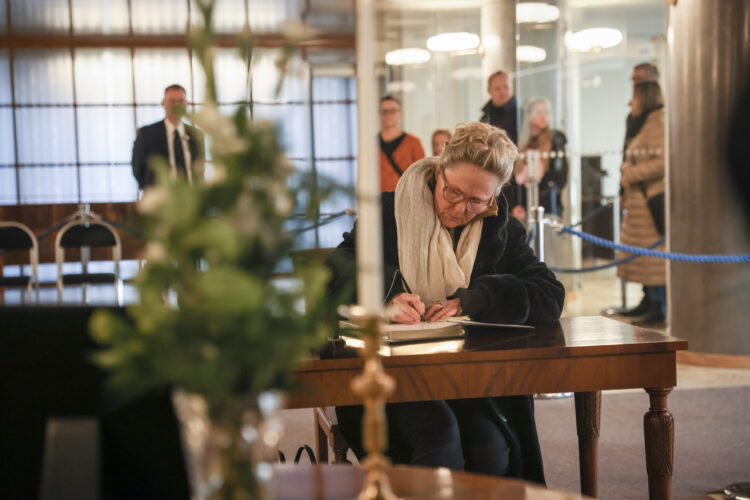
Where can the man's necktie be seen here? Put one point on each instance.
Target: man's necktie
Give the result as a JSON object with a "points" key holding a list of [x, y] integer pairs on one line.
{"points": [[179, 155]]}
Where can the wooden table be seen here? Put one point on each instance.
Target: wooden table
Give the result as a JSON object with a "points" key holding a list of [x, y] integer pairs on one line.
{"points": [[584, 355], [305, 482]]}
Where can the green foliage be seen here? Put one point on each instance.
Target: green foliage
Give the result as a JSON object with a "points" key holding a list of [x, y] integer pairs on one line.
{"points": [[210, 318]]}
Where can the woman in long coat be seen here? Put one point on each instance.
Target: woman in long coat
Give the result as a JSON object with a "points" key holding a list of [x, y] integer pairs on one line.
{"points": [[642, 179]]}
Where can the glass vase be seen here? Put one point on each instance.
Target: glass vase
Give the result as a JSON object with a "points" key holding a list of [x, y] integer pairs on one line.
{"points": [[230, 456]]}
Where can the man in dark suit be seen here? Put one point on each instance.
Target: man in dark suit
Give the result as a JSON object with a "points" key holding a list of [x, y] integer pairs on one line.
{"points": [[176, 142]]}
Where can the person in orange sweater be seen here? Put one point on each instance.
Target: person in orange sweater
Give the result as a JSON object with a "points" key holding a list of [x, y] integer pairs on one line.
{"points": [[398, 149]]}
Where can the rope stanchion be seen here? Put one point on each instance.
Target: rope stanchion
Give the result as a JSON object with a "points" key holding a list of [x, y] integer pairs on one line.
{"points": [[125, 228], [613, 263], [683, 257], [52, 229], [593, 214], [318, 224]]}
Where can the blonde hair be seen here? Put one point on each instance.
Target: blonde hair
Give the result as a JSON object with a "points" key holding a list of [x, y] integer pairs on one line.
{"points": [[648, 95], [525, 135], [483, 145], [443, 131]]}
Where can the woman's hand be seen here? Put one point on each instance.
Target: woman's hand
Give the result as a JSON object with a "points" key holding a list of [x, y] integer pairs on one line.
{"points": [[522, 175], [407, 308], [519, 213], [442, 310]]}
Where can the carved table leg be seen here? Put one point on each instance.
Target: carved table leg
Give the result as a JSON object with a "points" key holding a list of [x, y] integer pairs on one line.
{"points": [[588, 417], [658, 430]]}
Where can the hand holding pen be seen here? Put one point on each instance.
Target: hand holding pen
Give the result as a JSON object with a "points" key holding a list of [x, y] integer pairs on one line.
{"points": [[408, 307]]}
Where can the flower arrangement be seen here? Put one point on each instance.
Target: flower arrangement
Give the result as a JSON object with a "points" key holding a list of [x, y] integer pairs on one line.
{"points": [[211, 320]]}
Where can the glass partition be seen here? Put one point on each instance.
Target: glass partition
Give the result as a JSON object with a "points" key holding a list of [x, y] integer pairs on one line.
{"points": [[577, 55]]}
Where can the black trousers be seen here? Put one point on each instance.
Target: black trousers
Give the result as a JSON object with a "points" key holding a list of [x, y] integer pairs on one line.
{"points": [[458, 434]]}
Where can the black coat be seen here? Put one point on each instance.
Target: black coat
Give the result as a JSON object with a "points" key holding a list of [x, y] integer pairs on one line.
{"points": [[504, 117], [151, 140], [508, 285]]}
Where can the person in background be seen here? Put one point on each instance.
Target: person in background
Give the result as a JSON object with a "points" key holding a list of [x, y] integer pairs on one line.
{"points": [[501, 110], [178, 143], [398, 149], [439, 138], [644, 72], [642, 177], [536, 134], [449, 235]]}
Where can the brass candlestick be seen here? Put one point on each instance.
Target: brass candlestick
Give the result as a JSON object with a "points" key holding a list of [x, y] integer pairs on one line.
{"points": [[374, 386]]}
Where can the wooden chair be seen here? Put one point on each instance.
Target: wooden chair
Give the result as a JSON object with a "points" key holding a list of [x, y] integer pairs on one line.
{"points": [[16, 236], [328, 434], [86, 231], [327, 431]]}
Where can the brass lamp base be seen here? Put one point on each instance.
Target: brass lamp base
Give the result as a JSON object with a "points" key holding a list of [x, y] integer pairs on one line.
{"points": [[374, 386]]}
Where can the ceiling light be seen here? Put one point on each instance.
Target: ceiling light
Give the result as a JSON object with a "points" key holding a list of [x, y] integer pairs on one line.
{"points": [[536, 12], [453, 41], [400, 57], [530, 53], [467, 73], [593, 39], [401, 86]]}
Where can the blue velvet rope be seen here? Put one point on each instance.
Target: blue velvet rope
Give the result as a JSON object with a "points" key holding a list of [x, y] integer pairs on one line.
{"points": [[602, 266], [684, 257]]}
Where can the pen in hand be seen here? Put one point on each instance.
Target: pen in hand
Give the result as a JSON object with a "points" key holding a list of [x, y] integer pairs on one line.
{"points": [[408, 290]]}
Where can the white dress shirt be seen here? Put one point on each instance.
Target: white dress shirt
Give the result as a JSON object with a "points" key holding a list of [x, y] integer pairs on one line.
{"points": [[185, 149]]}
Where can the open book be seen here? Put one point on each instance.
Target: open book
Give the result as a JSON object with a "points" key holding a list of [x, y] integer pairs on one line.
{"points": [[449, 328], [399, 332]]}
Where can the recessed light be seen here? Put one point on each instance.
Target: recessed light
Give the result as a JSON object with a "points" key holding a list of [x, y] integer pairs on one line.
{"points": [[593, 39], [400, 57], [536, 12], [453, 41]]}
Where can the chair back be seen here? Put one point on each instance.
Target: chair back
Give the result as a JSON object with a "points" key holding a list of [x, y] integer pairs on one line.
{"points": [[96, 234], [86, 232], [16, 236]]}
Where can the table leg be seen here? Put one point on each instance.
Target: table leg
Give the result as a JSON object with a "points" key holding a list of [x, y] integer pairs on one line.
{"points": [[658, 430], [588, 417]]}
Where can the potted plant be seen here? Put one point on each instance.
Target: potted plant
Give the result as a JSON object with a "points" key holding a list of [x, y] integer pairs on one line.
{"points": [[211, 321]]}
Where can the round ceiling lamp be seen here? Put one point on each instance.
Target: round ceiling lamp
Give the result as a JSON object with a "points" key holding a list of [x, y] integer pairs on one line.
{"points": [[453, 41], [536, 12], [593, 39], [530, 53], [401, 86], [399, 57]]}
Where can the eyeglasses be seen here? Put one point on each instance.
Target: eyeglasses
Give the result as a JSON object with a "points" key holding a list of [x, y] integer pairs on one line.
{"points": [[454, 196], [389, 111]]}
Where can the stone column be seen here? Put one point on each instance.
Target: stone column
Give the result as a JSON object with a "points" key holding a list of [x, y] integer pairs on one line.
{"points": [[498, 26], [709, 46]]}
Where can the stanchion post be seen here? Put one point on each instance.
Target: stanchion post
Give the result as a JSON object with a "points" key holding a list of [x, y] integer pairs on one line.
{"points": [[616, 230], [534, 213], [537, 219]]}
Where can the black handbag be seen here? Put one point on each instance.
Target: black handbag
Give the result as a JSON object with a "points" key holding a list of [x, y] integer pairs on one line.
{"points": [[656, 207]]}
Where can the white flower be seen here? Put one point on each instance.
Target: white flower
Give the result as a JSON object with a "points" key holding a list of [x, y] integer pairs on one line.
{"points": [[218, 174], [153, 198], [155, 252]]}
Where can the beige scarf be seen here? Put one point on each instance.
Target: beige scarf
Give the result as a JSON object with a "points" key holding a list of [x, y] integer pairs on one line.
{"points": [[425, 247]]}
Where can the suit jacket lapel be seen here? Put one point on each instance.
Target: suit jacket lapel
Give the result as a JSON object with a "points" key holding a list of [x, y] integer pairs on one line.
{"points": [[162, 139]]}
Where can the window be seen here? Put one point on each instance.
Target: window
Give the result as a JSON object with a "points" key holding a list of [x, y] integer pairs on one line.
{"points": [[70, 105]]}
